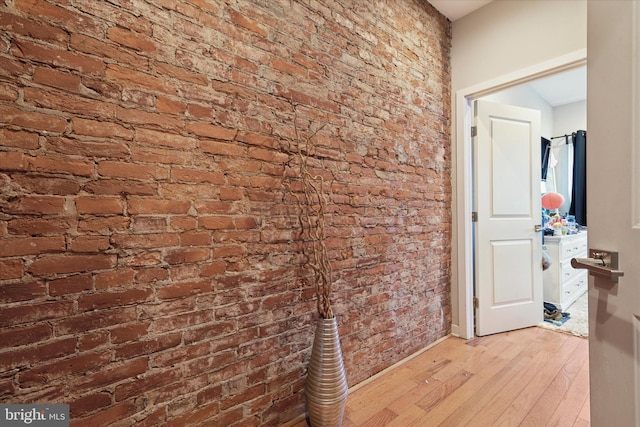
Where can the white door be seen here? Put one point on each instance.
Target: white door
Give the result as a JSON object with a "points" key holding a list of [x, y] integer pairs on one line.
{"points": [[613, 208], [508, 276]]}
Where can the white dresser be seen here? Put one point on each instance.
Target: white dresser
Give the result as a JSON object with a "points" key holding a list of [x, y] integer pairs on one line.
{"points": [[564, 284]]}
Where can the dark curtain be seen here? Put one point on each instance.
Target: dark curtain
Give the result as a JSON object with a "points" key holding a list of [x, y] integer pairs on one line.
{"points": [[578, 206], [545, 146]]}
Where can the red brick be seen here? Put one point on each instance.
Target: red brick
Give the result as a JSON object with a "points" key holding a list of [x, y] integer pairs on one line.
{"points": [[131, 39], [13, 68], [70, 285], [60, 165], [74, 147], [113, 373], [47, 184], [8, 92], [165, 139], [57, 79], [34, 312], [57, 57], [13, 292], [161, 155], [117, 411], [55, 264], [52, 371], [32, 29], [183, 222], [122, 75], [89, 244], [7, 388], [113, 299], [171, 71], [148, 382], [11, 269], [92, 341], [180, 355], [99, 205], [90, 403], [244, 223], [199, 111], [35, 205], [92, 46], [69, 103], [31, 246], [151, 275], [100, 129], [171, 106], [143, 224], [131, 170], [157, 206], [244, 22], [195, 238], [197, 176], [121, 187], [127, 333], [228, 251], [18, 139], [59, 15], [114, 279], [143, 118], [188, 191], [49, 350], [32, 119], [149, 346], [179, 290], [93, 321], [158, 240], [18, 336], [186, 255], [211, 131], [213, 268], [103, 225], [216, 222], [38, 226]]}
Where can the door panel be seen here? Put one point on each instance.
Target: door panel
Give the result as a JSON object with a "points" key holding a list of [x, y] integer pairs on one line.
{"points": [[507, 199], [613, 169]]}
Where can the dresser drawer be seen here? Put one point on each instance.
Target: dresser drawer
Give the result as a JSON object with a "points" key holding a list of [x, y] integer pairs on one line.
{"points": [[567, 272], [577, 284], [573, 248]]}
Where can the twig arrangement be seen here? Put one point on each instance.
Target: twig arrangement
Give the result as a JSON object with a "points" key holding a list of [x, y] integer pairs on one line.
{"points": [[312, 204]]}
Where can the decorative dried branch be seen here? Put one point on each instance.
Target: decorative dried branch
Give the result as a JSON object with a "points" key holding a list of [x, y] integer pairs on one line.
{"points": [[311, 205]]}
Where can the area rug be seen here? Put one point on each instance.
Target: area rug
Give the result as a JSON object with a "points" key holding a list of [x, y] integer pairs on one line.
{"points": [[578, 323]]}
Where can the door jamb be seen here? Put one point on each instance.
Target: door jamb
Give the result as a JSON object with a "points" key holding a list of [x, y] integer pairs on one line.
{"points": [[464, 176]]}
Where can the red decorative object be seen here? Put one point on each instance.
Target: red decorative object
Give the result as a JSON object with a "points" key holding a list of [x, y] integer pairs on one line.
{"points": [[552, 200]]}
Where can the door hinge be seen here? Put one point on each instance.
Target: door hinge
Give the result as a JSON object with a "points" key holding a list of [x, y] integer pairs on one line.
{"points": [[474, 131], [474, 216], [476, 302]]}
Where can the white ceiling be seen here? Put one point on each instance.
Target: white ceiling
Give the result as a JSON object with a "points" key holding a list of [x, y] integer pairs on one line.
{"points": [[454, 9], [563, 88], [558, 89]]}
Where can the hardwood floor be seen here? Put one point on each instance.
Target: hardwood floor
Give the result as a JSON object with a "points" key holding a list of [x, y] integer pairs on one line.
{"points": [[529, 377]]}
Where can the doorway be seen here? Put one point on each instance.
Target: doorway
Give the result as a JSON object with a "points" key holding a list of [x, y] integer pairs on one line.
{"points": [[464, 177]]}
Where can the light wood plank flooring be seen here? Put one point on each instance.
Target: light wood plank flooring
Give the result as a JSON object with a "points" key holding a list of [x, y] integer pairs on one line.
{"points": [[529, 377]]}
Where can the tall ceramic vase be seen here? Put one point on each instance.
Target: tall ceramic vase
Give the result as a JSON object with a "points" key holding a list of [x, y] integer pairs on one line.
{"points": [[326, 386]]}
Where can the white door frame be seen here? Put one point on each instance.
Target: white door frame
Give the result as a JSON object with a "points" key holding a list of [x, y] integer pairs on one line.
{"points": [[464, 176]]}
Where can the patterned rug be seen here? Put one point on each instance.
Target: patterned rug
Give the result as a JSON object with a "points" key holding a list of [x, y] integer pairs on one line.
{"points": [[578, 324]]}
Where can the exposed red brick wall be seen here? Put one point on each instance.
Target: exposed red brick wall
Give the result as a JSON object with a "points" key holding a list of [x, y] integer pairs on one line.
{"points": [[149, 272]]}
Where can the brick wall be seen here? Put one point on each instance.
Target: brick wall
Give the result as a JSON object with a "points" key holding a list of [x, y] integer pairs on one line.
{"points": [[149, 269]]}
